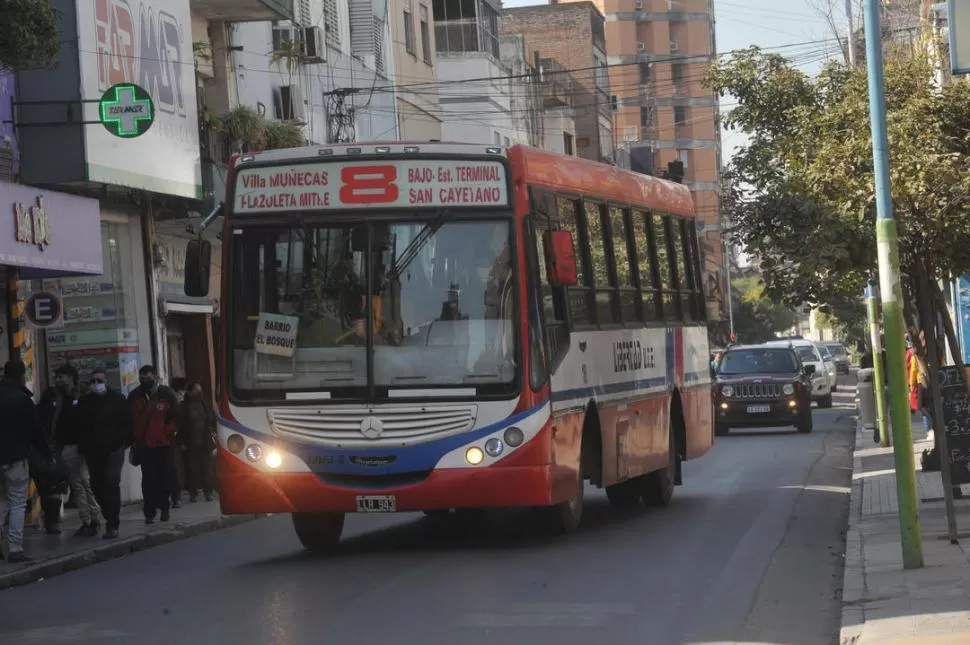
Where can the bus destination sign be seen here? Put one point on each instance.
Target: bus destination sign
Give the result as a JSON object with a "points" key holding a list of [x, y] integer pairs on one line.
{"points": [[400, 183]]}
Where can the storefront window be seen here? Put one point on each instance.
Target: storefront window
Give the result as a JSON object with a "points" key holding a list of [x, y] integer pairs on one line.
{"points": [[100, 329]]}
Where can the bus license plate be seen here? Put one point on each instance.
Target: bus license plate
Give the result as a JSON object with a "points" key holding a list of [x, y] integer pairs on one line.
{"points": [[376, 504], [759, 409]]}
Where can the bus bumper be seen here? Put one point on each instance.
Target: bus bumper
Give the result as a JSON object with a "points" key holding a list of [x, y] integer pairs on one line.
{"points": [[539, 475]]}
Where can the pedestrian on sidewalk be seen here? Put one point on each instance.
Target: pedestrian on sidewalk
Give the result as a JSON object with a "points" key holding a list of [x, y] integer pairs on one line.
{"points": [[105, 434], [20, 434], [154, 412], [59, 408], [181, 457], [196, 435]]}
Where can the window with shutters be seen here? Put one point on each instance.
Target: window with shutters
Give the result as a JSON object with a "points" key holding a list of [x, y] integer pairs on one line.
{"points": [[409, 27], [425, 35], [331, 23], [303, 17], [379, 45]]}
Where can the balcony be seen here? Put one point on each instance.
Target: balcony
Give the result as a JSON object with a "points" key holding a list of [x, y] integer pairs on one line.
{"points": [[242, 10], [556, 85]]}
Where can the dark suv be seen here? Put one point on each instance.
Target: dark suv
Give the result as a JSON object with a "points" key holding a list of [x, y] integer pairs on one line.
{"points": [[762, 386]]}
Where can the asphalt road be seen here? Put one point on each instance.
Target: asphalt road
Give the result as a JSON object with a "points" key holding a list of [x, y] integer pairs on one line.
{"points": [[750, 551]]}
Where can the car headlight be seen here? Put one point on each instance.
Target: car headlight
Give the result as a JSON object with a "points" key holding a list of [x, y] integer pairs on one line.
{"points": [[788, 389], [727, 390]]}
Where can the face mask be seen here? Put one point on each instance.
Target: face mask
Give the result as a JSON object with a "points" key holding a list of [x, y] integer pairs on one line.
{"points": [[99, 388]]}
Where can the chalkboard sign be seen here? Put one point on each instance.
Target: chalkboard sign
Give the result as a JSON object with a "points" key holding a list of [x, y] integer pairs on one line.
{"points": [[956, 421]]}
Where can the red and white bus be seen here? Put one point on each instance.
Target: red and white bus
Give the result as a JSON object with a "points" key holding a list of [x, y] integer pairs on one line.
{"points": [[430, 327]]}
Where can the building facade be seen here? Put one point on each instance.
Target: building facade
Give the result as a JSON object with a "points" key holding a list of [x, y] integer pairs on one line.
{"points": [[474, 88], [415, 80], [571, 38]]}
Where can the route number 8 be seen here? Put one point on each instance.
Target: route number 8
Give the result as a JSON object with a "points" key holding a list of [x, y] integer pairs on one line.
{"points": [[368, 185]]}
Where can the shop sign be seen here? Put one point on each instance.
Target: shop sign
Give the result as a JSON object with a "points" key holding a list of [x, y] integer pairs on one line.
{"points": [[49, 234], [147, 44]]}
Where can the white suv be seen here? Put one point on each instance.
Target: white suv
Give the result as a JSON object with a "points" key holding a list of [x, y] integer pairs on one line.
{"points": [[822, 382]]}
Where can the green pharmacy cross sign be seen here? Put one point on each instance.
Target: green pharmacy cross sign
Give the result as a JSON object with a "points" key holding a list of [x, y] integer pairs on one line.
{"points": [[127, 110]]}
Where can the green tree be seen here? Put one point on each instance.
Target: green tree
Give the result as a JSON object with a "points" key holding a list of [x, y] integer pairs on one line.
{"points": [[800, 197], [756, 317], [30, 37]]}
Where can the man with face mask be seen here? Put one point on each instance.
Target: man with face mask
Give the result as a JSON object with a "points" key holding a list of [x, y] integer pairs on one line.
{"points": [[154, 411], [61, 418], [105, 433]]}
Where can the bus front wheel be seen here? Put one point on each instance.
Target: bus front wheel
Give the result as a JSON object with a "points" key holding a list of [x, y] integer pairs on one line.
{"points": [[565, 517], [319, 532]]}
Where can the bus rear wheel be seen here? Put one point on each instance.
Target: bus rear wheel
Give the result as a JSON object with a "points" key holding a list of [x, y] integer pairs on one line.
{"points": [[319, 532], [658, 486]]}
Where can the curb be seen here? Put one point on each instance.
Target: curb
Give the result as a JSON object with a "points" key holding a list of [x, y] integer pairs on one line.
{"points": [[117, 549], [854, 576]]}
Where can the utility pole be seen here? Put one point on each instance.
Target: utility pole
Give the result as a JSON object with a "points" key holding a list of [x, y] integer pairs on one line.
{"points": [[850, 38], [890, 293], [878, 375]]}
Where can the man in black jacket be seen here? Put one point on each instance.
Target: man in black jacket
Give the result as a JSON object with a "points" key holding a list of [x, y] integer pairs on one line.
{"points": [[19, 433], [105, 433]]}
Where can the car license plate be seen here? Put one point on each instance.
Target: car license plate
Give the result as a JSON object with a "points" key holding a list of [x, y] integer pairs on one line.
{"points": [[376, 504], [759, 409]]}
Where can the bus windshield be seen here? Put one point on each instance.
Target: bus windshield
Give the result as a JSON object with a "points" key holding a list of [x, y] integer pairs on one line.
{"points": [[439, 293]]}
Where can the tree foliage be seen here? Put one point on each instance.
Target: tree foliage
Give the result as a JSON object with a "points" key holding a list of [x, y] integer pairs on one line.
{"points": [[800, 197], [249, 131], [756, 317], [29, 37]]}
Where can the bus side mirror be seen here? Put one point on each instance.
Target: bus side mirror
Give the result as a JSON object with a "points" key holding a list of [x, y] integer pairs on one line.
{"points": [[560, 258], [198, 264]]}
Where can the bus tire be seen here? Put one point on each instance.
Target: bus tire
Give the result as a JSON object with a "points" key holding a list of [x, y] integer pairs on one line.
{"points": [[319, 532], [623, 495], [565, 517], [658, 486]]}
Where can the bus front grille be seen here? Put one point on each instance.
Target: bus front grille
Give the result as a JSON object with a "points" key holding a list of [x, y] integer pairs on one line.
{"points": [[355, 426]]}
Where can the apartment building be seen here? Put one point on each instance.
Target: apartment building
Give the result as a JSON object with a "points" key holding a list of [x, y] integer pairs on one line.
{"points": [[416, 90], [658, 52], [571, 39]]}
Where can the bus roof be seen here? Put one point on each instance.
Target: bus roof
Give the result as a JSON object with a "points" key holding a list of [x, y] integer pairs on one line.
{"points": [[343, 150], [576, 175]]}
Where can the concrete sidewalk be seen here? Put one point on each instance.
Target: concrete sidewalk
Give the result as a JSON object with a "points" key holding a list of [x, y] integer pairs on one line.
{"points": [[56, 554], [882, 602]]}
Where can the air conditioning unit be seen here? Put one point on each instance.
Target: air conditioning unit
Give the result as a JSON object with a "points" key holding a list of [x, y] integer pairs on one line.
{"points": [[314, 45], [673, 46], [285, 36], [638, 4], [641, 46], [291, 105]]}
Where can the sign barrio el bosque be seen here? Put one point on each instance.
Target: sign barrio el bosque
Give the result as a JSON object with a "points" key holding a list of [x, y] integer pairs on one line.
{"points": [[400, 183]]}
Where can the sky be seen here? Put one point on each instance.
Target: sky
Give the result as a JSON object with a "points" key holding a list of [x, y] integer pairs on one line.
{"points": [[795, 32]]}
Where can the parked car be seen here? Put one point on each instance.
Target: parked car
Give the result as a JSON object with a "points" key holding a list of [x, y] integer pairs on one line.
{"points": [[830, 369], [841, 355], [809, 355], [760, 386]]}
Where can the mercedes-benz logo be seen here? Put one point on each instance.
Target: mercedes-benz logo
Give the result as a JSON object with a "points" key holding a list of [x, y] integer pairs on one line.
{"points": [[371, 427]]}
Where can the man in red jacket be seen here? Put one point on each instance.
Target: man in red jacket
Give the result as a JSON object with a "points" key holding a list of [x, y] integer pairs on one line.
{"points": [[154, 411]]}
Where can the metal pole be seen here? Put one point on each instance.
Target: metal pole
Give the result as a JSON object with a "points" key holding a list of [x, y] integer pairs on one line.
{"points": [[730, 297], [878, 373], [891, 294], [850, 39]]}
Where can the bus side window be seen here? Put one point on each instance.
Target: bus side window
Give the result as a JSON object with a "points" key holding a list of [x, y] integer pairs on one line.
{"points": [[579, 298], [646, 264], [700, 306], [552, 300], [623, 262], [604, 283], [665, 267], [684, 286]]}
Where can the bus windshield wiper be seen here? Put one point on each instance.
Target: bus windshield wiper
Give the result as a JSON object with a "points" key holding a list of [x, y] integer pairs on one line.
{"points": [[412, 250]]}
